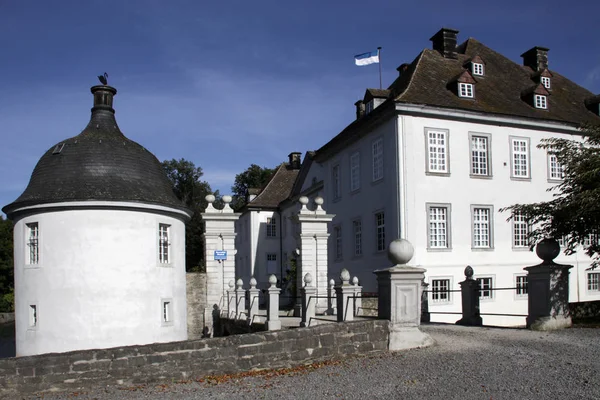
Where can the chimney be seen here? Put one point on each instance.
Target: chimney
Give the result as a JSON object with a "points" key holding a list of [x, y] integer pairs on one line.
{"points": [[252, 193], [402, 69], [360, 109], [103, 98], [295, 158], [536, 58], [445, 42]]}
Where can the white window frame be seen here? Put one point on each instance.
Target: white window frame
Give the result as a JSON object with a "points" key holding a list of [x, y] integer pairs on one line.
{"points": [[437, 152], [540, 101], [338, 243], [480, 152], [555, 170], [271, 226], [440, 290], [33, 316], [593, 282], [33, 243], [369, 107], [379, 231], [434, 212], [520, 232], [545, 81], [354, 171], [486, 292], [166, 312], [357, 234], [336, 179], [520, 158], [466, 90], [271, 257], [480, 228], [521, 288], [164, 244], [477, 69], [377, 154]]}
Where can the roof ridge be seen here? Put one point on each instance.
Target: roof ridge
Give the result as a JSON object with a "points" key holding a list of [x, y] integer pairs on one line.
{"points": [[412, 76]]}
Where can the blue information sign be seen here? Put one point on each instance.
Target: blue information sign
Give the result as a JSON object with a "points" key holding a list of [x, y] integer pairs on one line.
{"points": [[220, 254]]}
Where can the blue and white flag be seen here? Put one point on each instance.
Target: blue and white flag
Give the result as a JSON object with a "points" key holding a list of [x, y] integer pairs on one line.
{"points": [[372, 57]]}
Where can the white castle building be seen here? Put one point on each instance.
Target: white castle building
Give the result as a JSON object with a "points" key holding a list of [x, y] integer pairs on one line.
{"points": [[99, 244], [432, 159]]}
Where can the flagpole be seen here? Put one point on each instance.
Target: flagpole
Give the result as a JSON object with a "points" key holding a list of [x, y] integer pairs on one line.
{"points": [[379, 56]]}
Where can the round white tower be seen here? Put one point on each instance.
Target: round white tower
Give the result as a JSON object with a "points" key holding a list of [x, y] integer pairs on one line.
{"points": [[99, 244]]}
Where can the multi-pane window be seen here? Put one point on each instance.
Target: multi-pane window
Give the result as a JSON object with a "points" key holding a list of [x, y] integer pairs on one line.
{"points": [[520, 158], [520, 230], [377, 159], [33, 236], [380, 230], [272, 227], [271, 263], [546, 82], [438, 227], [478, 69], [485, 287], [521, 285], [437, 151], [337, 235], [480, 156], [369, 107], [357, 230], [465, 90], [355, 171], [593, 281], [163, 243], [540, 101], [555, 170], [440, 290], [337, 182], [482, 227]]}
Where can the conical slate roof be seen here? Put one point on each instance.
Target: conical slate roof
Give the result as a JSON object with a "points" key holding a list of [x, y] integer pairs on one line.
{"points": [[99, 164]]}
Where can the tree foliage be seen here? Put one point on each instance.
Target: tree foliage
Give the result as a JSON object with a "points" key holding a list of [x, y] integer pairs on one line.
{"points": [[574, 211], [253, 177], [189, 188], [6, 265]]}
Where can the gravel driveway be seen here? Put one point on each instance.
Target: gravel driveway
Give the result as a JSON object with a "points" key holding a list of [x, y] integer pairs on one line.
{"points": [[465, 363]]}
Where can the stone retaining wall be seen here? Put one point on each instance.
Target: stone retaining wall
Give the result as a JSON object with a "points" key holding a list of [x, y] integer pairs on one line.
{"points": [[6, 317], [79, 370], [585, 310]]}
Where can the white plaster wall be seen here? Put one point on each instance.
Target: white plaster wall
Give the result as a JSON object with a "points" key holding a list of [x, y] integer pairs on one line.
{"points": [[98, 283], [261, 245]]}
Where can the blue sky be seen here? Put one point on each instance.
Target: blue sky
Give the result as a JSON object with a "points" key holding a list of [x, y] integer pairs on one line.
{"points": [[230, 83]]}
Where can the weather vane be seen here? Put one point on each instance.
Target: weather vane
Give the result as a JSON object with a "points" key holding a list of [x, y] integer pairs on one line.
{"points": [[103, 78]]}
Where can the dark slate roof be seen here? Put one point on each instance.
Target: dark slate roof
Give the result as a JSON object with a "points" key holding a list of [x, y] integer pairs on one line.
{"points": [[277, 189], [98, 164], [498, 92], [376, 93]]}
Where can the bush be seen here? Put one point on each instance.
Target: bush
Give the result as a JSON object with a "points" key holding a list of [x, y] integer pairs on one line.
{"points": [[7, 301]]}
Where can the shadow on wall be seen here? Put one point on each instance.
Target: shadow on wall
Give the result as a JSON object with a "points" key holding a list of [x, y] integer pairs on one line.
{"points": [[7, 340]]}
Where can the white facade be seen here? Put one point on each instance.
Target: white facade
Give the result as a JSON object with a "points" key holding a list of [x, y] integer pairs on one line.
{"points": [[411, 192], [101, 274]]}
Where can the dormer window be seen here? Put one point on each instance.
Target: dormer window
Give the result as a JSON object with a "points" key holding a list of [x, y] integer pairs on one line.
{"points": [[465, 90], [369, 107], [477, 69], [540, 101], [545, 81]]}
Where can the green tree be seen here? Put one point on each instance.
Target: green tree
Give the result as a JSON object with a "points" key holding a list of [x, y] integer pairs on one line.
{"points": [[189, 188], [6, 265], [253, 177], [574, 211]]}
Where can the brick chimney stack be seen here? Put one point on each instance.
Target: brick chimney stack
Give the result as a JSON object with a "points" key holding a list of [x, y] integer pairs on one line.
{"points": [[536, 58], [445, 42], [360, 109], [295, 160]]}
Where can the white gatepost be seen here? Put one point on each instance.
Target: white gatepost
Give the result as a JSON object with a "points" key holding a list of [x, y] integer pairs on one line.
{"points": [[219, 236], [313, 249]]}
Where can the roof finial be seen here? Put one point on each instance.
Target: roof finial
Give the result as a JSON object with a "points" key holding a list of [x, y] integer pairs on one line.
{"points": [[103, 78]]}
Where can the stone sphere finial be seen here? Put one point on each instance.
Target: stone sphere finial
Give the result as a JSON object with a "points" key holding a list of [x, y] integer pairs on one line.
{"points": [[547, 249], [210, 198], [319, 200], [355, 281], [331, 282], [303, 200], [469, 272], [239, 283], [231, 284], [400, 251], [226, 199], [308, 279], [252, 283], [345, 276], [272, 280]]}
